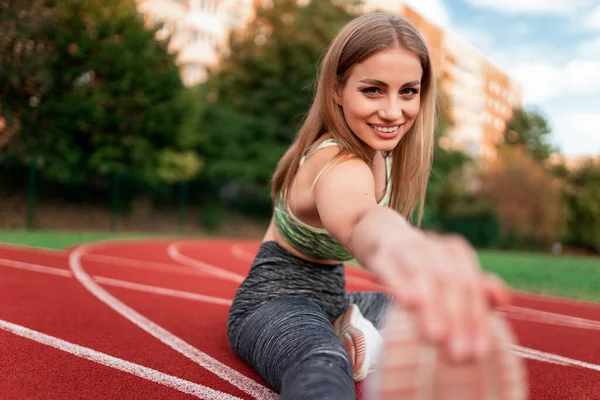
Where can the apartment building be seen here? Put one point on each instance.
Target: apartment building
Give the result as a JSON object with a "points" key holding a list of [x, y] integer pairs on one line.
{"points": [[198, 29], [481, 94]]}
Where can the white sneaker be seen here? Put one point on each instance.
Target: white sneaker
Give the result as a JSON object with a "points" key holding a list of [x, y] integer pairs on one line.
{"points": [[361, 340]]}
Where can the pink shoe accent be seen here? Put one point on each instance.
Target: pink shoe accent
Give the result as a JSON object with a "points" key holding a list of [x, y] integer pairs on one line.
{"points": [[354, 341]]}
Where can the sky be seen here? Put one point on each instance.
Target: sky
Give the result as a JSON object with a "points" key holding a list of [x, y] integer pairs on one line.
{"points": [[551, 47]]}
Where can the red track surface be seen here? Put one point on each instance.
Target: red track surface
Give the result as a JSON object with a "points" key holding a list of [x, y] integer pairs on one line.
{"points": [[147, 320]]}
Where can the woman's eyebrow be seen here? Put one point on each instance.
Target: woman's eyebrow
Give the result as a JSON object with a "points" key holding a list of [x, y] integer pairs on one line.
{"points": [[377, 82]]}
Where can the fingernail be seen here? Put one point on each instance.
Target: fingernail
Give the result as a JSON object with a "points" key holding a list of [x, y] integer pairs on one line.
{"points": [[459, 348], [435, 328], [481, 347]]}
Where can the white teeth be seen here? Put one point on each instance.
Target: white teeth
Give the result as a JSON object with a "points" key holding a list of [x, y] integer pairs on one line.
{"points": [[385, 130]]}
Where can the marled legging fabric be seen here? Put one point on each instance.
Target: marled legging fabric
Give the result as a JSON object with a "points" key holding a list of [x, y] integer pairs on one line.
{"points": [[281, 318]]}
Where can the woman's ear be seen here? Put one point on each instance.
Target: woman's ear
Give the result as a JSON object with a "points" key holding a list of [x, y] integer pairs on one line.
{"points": [[336, 95]]}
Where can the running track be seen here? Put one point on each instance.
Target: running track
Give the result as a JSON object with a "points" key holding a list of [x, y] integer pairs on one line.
{"points": [[147, 320]]}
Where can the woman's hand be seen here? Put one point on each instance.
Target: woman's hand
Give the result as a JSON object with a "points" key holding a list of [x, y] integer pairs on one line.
{"points": [[438, 277]]}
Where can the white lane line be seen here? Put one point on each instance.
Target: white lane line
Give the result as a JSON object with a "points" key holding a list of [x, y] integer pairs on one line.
{"points": [[198, 265], [226, 373], [163, 291], [30, 249], [238, 252], [531, 315], [243, 255], [132, 263], [549, 357], [546, 298], [512, 312], [35, 267], [124, 262], [119, 283], [150, 374], [537, 357], [519, 350]]}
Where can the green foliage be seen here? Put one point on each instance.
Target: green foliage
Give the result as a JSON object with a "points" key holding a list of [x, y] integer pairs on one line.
{"points": [[531, 129], [263, 88], [583, 206], [212, 216], [479, 224], [25, 52], [113, 103]]}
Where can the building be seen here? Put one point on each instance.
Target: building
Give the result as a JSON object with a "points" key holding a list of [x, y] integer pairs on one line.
{"points": [[481, 94], [198, 29]]}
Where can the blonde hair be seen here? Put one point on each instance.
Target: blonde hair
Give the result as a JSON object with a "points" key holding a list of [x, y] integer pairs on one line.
{"points": [[355, 42]]}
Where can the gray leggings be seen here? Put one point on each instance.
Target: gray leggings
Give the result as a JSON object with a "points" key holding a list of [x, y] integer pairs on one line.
{"points": [[281, 319]]}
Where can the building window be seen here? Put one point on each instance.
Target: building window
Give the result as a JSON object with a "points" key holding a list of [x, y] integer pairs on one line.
{"points": [[499, 124]]}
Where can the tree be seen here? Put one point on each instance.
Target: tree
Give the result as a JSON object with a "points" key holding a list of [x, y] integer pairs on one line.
{"points": [[257, 98], [582, 196], [529, 128], [25, 52], [526, 196], [113, 102]]}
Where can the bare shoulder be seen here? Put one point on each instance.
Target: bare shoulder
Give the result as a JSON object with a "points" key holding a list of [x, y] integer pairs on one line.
{"points": [[323, 161]]}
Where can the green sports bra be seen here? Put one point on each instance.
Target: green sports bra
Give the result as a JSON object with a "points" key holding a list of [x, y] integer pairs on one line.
{"points": [[314, 242]]}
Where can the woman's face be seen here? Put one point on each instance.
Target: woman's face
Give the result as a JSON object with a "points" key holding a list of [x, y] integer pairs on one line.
{"points": [[381, 97]]}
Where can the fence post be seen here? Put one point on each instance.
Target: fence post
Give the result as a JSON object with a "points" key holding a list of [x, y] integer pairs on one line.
{"points": [[115, 201], [31, 193], [184, 189]]}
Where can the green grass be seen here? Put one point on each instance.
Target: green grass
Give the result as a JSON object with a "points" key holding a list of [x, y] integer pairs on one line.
{"points": [[60, 240], [573, 277], [565, 276]]}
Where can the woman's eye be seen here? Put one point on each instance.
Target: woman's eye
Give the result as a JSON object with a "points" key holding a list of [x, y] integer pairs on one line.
{"points": [[410, 91], [371, 91]]}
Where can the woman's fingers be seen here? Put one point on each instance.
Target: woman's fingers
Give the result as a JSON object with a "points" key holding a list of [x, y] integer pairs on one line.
{"points": [[440, 279], [497, 293], [470, 333]]}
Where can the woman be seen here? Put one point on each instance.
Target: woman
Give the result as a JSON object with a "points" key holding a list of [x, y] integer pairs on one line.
{"points": [[345, 189]]}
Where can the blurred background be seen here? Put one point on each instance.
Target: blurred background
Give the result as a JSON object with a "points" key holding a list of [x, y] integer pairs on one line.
{"points": [[167, 117]]}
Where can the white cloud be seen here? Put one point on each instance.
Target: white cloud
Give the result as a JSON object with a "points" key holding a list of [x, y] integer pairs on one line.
{"points": [[592, 21], [577, 134], [589, 49], [533, 6], [542, 81], [433, 10], [479, 39]]}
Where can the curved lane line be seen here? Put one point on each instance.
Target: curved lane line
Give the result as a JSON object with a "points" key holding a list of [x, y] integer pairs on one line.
{"points": [[224, 372], [198, 265], [150, 374]]}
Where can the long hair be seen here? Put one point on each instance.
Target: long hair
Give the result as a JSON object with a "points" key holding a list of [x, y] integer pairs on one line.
{"points": [[412, 157]]}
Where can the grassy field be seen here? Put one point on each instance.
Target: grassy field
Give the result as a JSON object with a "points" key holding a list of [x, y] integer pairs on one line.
{"points": [[573, 277], [59, 240]]}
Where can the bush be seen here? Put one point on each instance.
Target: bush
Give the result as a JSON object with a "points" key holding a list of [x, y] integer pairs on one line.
{"points": [[212, 216], [480, 225], [527, 197]]}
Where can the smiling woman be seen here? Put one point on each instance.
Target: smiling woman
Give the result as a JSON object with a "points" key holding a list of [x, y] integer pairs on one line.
{"points": [[381, 98], [356, 173]]}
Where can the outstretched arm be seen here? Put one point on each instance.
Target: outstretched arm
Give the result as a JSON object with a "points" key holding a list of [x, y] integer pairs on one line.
{"points": [[437, 276]]}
